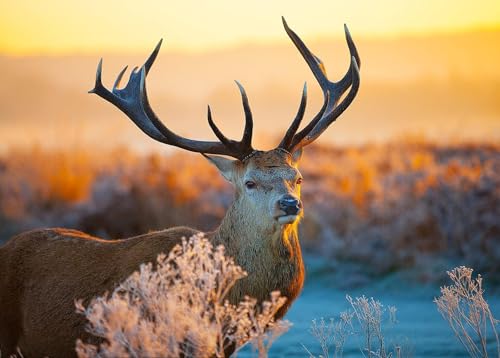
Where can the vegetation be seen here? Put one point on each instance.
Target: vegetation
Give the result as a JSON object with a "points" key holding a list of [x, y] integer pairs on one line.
{"points": [[364, 320], [179, 309], [463, 306], [406, 205]]}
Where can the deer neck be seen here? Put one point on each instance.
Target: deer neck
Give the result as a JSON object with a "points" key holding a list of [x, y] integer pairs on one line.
{"points": [[243, 235], [270, 254]]}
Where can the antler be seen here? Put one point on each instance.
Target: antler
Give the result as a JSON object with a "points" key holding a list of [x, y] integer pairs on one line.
{"points": [[332, 92], [133, 101]]}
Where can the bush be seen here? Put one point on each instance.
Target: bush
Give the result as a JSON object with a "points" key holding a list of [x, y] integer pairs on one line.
{"points": [[368, 314], [179, 308], [380, 208], [463, 306]]}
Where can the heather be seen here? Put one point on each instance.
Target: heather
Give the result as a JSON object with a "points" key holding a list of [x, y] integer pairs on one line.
{"points": [[408, 205]]}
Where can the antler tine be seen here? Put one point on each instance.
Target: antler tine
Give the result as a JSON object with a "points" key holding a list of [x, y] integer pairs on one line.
{"points": [[305, 131], [151, 59], [246, 140], [332, 91], [119, 78], [111, 97], [345, 82], [133, 101], [216, 130], [314, 62], [98, 80], [287, 139], [329, 116]]}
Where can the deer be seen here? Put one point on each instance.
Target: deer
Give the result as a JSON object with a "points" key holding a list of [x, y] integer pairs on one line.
{"points": [[43, 272]]}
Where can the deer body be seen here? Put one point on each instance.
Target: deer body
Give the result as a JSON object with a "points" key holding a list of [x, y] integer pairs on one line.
{"points": [[42, 272], [41, 319], [49, 268]]}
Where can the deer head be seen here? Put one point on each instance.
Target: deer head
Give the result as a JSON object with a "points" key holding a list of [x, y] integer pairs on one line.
{"points": [[267, 182], [267, 189]]}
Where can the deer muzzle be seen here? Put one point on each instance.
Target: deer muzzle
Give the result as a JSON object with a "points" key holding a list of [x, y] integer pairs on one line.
{"points": [[291, 207]]}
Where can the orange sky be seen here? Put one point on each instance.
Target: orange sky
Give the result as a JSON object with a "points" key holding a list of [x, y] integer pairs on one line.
{"points": [[66, 26], [439, 86]]}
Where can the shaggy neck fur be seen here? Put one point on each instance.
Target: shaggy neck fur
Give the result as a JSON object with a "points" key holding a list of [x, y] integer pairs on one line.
{"points": [[267, 245]]}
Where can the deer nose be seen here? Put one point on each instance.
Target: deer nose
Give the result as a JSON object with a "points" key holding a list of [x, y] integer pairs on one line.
{"points": [[290, 205]]}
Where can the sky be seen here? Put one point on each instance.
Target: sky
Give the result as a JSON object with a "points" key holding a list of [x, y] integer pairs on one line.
{"points": [[426, 67], [30, 27]]}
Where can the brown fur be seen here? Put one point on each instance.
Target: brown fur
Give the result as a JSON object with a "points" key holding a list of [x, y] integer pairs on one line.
{"points": [[44, 271]]}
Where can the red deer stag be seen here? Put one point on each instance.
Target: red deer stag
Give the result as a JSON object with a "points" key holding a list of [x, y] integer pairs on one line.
{"points": [[42, 272]]}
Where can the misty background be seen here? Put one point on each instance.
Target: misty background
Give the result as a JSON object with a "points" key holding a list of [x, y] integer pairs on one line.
{"points": [[443, 87]]}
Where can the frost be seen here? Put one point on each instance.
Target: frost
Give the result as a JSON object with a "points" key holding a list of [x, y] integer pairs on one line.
{"points": [[178, 307], [463, 306]]}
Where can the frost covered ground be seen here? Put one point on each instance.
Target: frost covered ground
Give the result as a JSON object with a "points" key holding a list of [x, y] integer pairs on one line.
{"points": [[420, 329]]}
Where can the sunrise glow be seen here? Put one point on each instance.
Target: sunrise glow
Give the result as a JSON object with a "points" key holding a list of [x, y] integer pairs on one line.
{"points": [[60, 26]]}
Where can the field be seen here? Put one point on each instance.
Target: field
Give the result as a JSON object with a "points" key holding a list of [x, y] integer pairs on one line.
{"points": [[372, 210], [383, 220]]}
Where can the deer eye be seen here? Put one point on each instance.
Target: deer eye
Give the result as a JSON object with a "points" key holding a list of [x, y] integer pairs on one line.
{"points": [[299, 181], [250, 184]]}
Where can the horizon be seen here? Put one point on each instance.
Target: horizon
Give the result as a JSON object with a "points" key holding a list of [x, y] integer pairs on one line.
{"points": [[426, 84], [443, 88]]}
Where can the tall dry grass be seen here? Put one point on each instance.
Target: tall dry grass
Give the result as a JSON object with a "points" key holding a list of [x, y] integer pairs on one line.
{"points": [[408, 204]]}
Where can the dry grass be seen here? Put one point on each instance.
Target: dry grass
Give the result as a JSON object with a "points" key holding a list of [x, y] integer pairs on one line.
{"points": [[365, 321], [179, 308], [401, 205], [463, 306]]}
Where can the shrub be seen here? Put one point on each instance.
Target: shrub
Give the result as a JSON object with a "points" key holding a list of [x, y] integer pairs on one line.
{"points": [[403, 205], [332, 333], [463, 306], [369, 316], [179, 308]]}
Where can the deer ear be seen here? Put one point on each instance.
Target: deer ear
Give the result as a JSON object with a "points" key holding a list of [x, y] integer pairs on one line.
{"points": [[226, 166], [296, 156]]}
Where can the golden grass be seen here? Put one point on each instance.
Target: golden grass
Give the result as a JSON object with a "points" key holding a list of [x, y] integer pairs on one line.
{"points": [[384, 205]]}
